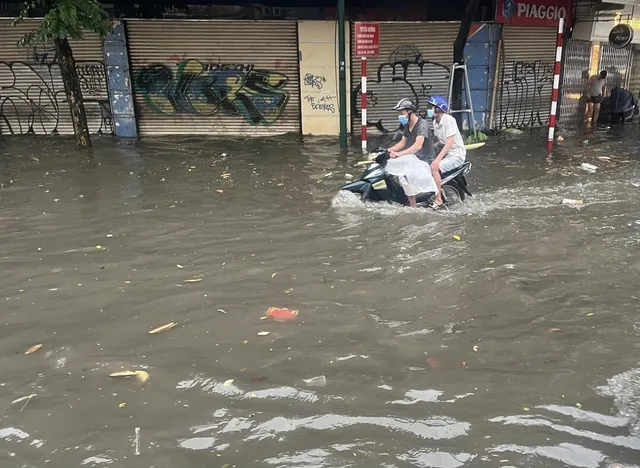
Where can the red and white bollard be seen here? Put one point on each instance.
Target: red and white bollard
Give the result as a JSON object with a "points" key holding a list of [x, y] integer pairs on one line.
{"points": [[556, 87], [363, 98]]}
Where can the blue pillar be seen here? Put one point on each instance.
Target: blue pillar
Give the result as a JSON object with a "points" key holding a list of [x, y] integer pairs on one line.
{"points": [[116, 61]]}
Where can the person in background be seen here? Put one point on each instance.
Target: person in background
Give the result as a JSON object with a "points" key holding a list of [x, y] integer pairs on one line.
{"points": [[595, 95], [453, 153]]}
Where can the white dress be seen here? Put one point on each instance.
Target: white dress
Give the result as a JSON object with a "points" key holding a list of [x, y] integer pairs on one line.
{"points": [[412, 172]]}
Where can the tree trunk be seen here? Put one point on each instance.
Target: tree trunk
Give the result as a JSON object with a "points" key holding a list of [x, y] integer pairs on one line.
{"points": [[73, 91], [458, 57]]}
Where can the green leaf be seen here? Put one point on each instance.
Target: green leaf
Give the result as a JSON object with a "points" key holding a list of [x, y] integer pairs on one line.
{"points": [[65, 19]]}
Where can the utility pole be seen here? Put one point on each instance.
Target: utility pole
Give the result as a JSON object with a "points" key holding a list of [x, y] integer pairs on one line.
{"points": [[342, 77]]}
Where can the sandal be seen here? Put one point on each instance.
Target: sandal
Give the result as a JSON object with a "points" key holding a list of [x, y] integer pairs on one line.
{"points": [[433, 206]]}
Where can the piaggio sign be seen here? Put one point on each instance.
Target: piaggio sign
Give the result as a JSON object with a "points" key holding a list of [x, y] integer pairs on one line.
{"points": [[533, 12]]}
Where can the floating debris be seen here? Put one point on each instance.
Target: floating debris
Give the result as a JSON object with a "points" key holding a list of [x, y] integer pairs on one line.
{"points": [[263, 333], [281, 314], [163, 328], [33, 349]]}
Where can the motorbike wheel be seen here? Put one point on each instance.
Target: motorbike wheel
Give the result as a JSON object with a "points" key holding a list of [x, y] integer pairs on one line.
{"points": [[450, 195]]}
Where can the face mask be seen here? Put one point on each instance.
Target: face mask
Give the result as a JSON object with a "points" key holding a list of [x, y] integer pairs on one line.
{"points": [[430, 113], [404, 120]]}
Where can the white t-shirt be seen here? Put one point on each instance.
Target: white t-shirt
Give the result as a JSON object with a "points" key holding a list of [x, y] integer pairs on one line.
{"points": [[446, 128]]}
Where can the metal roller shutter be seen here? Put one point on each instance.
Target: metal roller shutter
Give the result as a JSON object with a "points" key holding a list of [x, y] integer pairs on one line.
{"points": [[577, 61], [414, 62], [617, 63], [634, 81], [215, 77], [527, 76], [32, 97]]}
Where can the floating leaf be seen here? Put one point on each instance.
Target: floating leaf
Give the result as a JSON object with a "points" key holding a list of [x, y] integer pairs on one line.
{"points": [[578, 405], [228, 382], [193, 280], [33, 349], [475, 348], [122, 405], [222, 311], [274, 275], [589, 314], [456, 237], [220, 191], [555, 330], [263, 333], [525, 408], [263, 318], [179, 266], [99, 247], [163, 328], [141, 375]]}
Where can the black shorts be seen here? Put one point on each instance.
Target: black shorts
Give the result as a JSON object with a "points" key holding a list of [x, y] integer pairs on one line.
{"points": [[596, 99]]}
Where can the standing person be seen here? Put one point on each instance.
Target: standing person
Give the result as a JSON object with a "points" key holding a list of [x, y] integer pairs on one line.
{"points": [[595, 95], [411, 154], [453, 154]]}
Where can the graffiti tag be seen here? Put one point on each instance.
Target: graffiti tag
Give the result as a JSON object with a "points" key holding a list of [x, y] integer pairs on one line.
{"points": [[32, 99], [323, 104], [405, 74], [258, 96], [314, 81], [525, 94]]}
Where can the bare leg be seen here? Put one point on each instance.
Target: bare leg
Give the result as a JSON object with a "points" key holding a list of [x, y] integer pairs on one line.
{"points": [[408, 191], [596, 114], [438, 181], [587, 113]]}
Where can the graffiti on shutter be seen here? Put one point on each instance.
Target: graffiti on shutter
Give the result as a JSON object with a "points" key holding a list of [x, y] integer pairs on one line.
{"points": [[406, 74], [526, 93], [33, 100], [206, 89]]}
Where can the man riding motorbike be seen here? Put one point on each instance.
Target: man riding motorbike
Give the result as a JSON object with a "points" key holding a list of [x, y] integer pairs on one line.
{"points": [[453, 153], [412, 153]]}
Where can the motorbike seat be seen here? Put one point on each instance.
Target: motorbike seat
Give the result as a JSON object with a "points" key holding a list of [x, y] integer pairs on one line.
{"points": [[447, 174]]}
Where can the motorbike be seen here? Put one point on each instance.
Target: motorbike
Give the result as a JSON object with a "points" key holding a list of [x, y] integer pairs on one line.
{"points": [[377, 185]]}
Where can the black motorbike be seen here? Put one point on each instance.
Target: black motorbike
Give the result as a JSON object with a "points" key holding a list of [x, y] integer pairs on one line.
{"points": [[377, 185]]}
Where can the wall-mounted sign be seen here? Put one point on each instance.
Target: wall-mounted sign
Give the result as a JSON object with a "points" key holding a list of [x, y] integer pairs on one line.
{"points": [[621, 36], [533, 12], [367, 39]]}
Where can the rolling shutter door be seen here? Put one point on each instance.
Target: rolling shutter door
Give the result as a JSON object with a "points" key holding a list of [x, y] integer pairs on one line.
{"points": [[527, 76], [215, 77], [32, 97], [414, 62]]}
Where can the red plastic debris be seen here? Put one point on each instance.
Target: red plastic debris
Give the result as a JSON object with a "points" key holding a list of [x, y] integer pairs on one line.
{"points": [[282, 314]]}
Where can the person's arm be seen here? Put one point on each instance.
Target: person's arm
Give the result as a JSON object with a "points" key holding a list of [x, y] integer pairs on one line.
{"points": [[413, 148], [398, 146], [445, 149]]}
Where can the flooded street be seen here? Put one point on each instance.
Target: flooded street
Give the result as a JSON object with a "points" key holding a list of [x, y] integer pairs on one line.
{"points": [[516, 346]]}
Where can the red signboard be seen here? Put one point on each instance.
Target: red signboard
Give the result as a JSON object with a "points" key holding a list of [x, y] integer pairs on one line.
{"points": [[367, 39], [533, 12]]}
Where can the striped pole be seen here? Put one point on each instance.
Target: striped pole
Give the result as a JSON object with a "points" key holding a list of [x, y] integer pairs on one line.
{"points": [[363, 93], [556, 87]]}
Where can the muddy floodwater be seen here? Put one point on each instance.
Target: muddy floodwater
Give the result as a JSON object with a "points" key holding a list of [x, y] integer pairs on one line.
{"points": [[515, 346]]}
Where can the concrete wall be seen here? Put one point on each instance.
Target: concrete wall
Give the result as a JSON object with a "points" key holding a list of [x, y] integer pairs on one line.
{"points": [[318, 55]]}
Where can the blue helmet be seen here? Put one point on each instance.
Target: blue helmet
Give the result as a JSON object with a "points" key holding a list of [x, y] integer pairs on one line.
{"points": [[439, 102]]}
